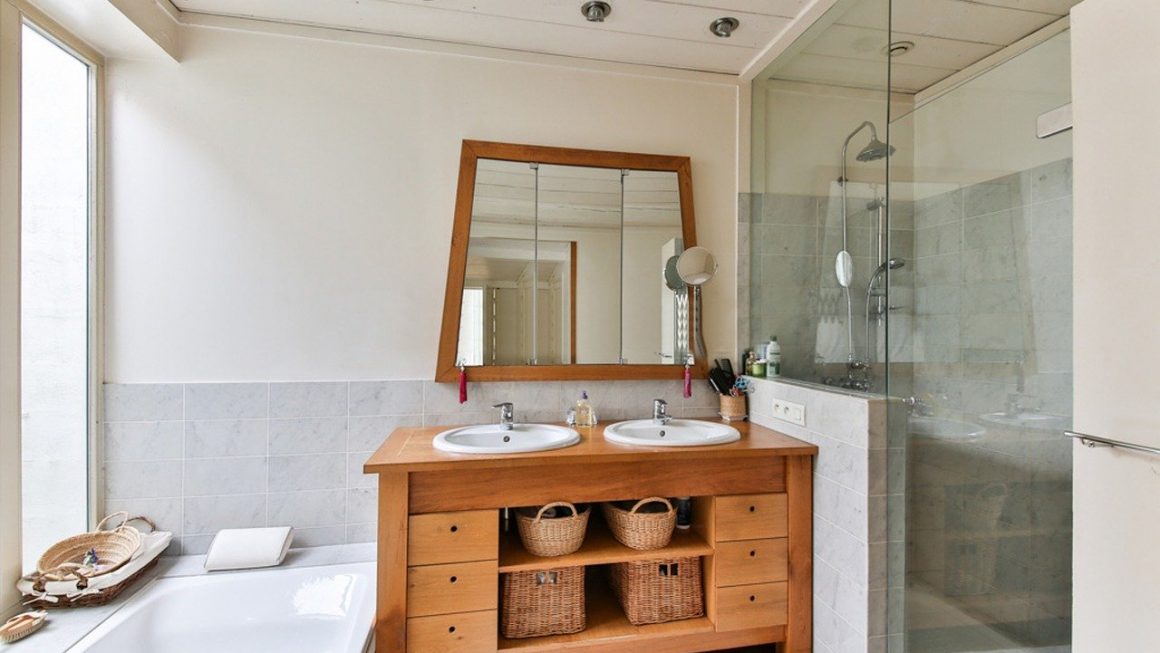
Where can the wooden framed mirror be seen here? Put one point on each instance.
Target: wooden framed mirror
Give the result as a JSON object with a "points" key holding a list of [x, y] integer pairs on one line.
{"points": [[558, 266]]}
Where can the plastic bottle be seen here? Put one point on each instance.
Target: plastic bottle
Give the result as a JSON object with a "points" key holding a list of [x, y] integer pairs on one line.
{"points": [[585, 415], [773, 358]]}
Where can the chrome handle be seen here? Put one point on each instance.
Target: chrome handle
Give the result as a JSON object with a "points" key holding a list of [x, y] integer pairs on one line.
{"points": [[1092, 441]]}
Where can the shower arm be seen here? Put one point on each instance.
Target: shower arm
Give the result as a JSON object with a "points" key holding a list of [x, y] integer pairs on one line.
{"points": [[843, 180]]}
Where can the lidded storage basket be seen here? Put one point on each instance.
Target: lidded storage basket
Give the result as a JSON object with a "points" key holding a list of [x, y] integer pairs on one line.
{"points": [[645, 525], [657, 591], [544, 534], [543, 602]]}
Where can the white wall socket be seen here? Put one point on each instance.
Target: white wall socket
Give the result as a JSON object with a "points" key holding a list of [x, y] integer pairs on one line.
{"points": [[789, 411]]}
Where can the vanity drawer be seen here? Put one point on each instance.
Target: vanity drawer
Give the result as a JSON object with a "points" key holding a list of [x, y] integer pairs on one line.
{"points": [[752, 606], [447, 589], [750, 517], [467, 632], [441, 537], [746, 562]]}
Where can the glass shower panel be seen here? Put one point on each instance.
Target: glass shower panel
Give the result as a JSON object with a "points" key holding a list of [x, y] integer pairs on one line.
{"points": [[820, 122], [981, 544]]}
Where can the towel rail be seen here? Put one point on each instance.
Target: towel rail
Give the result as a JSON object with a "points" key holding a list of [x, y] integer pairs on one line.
{"points": [[1096, 441]]}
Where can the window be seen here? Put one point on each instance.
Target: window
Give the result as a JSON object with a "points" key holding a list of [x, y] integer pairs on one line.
{"points": [[56, 217], [471, 327]]}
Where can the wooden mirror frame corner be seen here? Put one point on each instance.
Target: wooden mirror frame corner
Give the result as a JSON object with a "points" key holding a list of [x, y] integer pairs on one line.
{"points": [[446, 369]]}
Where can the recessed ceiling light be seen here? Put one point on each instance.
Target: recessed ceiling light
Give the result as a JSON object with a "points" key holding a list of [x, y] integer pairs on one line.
{"points": [[596, 11], [723, 27], [898, 48]]}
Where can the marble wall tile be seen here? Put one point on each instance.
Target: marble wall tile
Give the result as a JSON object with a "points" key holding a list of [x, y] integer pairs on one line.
{"points": [[307, 435], [224, 438], [207, 515], [143, 402], [206, 476], [226, 400], [308, 509], [142, 479], [324, 399], [143, 441], [307, 472], [387, 397]]}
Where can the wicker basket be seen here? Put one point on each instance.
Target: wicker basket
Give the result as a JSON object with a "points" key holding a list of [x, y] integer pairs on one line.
{"points": [[656, 591], [545, 602], [63, 561], [552, 536], [66, 559], [639, 529], [733, 408]]}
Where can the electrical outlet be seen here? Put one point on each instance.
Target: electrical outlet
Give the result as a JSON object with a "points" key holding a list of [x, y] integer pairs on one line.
{"points": [[789, 411]]}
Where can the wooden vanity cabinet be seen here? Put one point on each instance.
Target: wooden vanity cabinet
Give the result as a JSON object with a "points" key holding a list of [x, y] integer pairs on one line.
{"points": [[441, 551]]}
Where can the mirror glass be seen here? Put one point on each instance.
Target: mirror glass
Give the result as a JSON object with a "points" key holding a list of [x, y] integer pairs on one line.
{"points": [[566, 264]]}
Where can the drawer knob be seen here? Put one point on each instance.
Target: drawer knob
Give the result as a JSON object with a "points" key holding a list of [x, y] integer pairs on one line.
{"points": [[753, 553], [451, 629], [752, 598], [454, 579], [454, 528], [752, 508]]}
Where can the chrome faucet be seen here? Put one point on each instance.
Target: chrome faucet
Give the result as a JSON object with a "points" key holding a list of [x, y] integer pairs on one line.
{"points": [[660, 411], [507, 415]]}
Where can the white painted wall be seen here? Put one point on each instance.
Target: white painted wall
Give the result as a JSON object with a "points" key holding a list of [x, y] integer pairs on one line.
{"points": [[804, 126], [280, 208], [1117, 280]]}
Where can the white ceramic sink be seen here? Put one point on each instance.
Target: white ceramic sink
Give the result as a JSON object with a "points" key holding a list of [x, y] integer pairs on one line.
{"points": [[676, 433], [944, 429], [1038, 421], [491, 439]]}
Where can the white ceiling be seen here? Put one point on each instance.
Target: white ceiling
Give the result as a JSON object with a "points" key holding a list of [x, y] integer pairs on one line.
{"points": [[949, 34], [669, 33]]}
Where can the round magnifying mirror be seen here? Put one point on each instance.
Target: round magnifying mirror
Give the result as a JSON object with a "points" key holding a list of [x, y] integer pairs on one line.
{"points": [[672, 279], [696, 266]]}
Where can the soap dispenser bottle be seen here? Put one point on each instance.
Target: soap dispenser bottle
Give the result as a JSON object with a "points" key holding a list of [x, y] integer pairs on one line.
{"points": [[585, 414], [773, 358]]}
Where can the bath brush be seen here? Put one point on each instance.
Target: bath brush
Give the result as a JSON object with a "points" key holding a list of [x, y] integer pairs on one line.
{"points": [[22, 625]]}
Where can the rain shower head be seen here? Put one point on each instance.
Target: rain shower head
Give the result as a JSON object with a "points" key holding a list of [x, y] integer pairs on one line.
{"points": [[875, 150]]}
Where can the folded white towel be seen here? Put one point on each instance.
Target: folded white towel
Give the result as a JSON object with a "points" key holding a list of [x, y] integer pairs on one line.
{"points": [[248, 548]]}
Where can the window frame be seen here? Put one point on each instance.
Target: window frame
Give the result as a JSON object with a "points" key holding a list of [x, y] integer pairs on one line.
{"points": [[14, 15]]}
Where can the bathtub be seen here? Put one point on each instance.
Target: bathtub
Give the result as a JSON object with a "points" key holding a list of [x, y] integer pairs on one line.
{"points": [[327, 609]]}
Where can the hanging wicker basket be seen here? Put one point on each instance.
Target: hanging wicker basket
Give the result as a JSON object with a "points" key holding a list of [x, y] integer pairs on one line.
{"points": [[547, 535], [640, 528]]}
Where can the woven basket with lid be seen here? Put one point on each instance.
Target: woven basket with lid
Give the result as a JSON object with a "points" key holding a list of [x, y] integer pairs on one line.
{"points": [[645, 525]]}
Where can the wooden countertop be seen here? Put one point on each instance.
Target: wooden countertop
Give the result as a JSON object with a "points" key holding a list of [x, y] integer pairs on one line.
{"points": [[410, 449]]}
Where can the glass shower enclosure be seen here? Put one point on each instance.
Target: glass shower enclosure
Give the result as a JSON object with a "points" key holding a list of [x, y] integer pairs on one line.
{"points": [[908, 237]]}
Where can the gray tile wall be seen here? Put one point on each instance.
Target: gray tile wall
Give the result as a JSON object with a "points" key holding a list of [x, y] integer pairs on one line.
{"points": [[786, 284], [200, 457], [852, 490], [989, 521]]}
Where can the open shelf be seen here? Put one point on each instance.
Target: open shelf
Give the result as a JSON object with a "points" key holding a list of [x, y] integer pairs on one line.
{"points": [[606, 623], [599, 548]]}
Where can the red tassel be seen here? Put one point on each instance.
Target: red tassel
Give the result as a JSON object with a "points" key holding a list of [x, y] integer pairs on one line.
{"points": [[688, 381], [462, 384]]}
